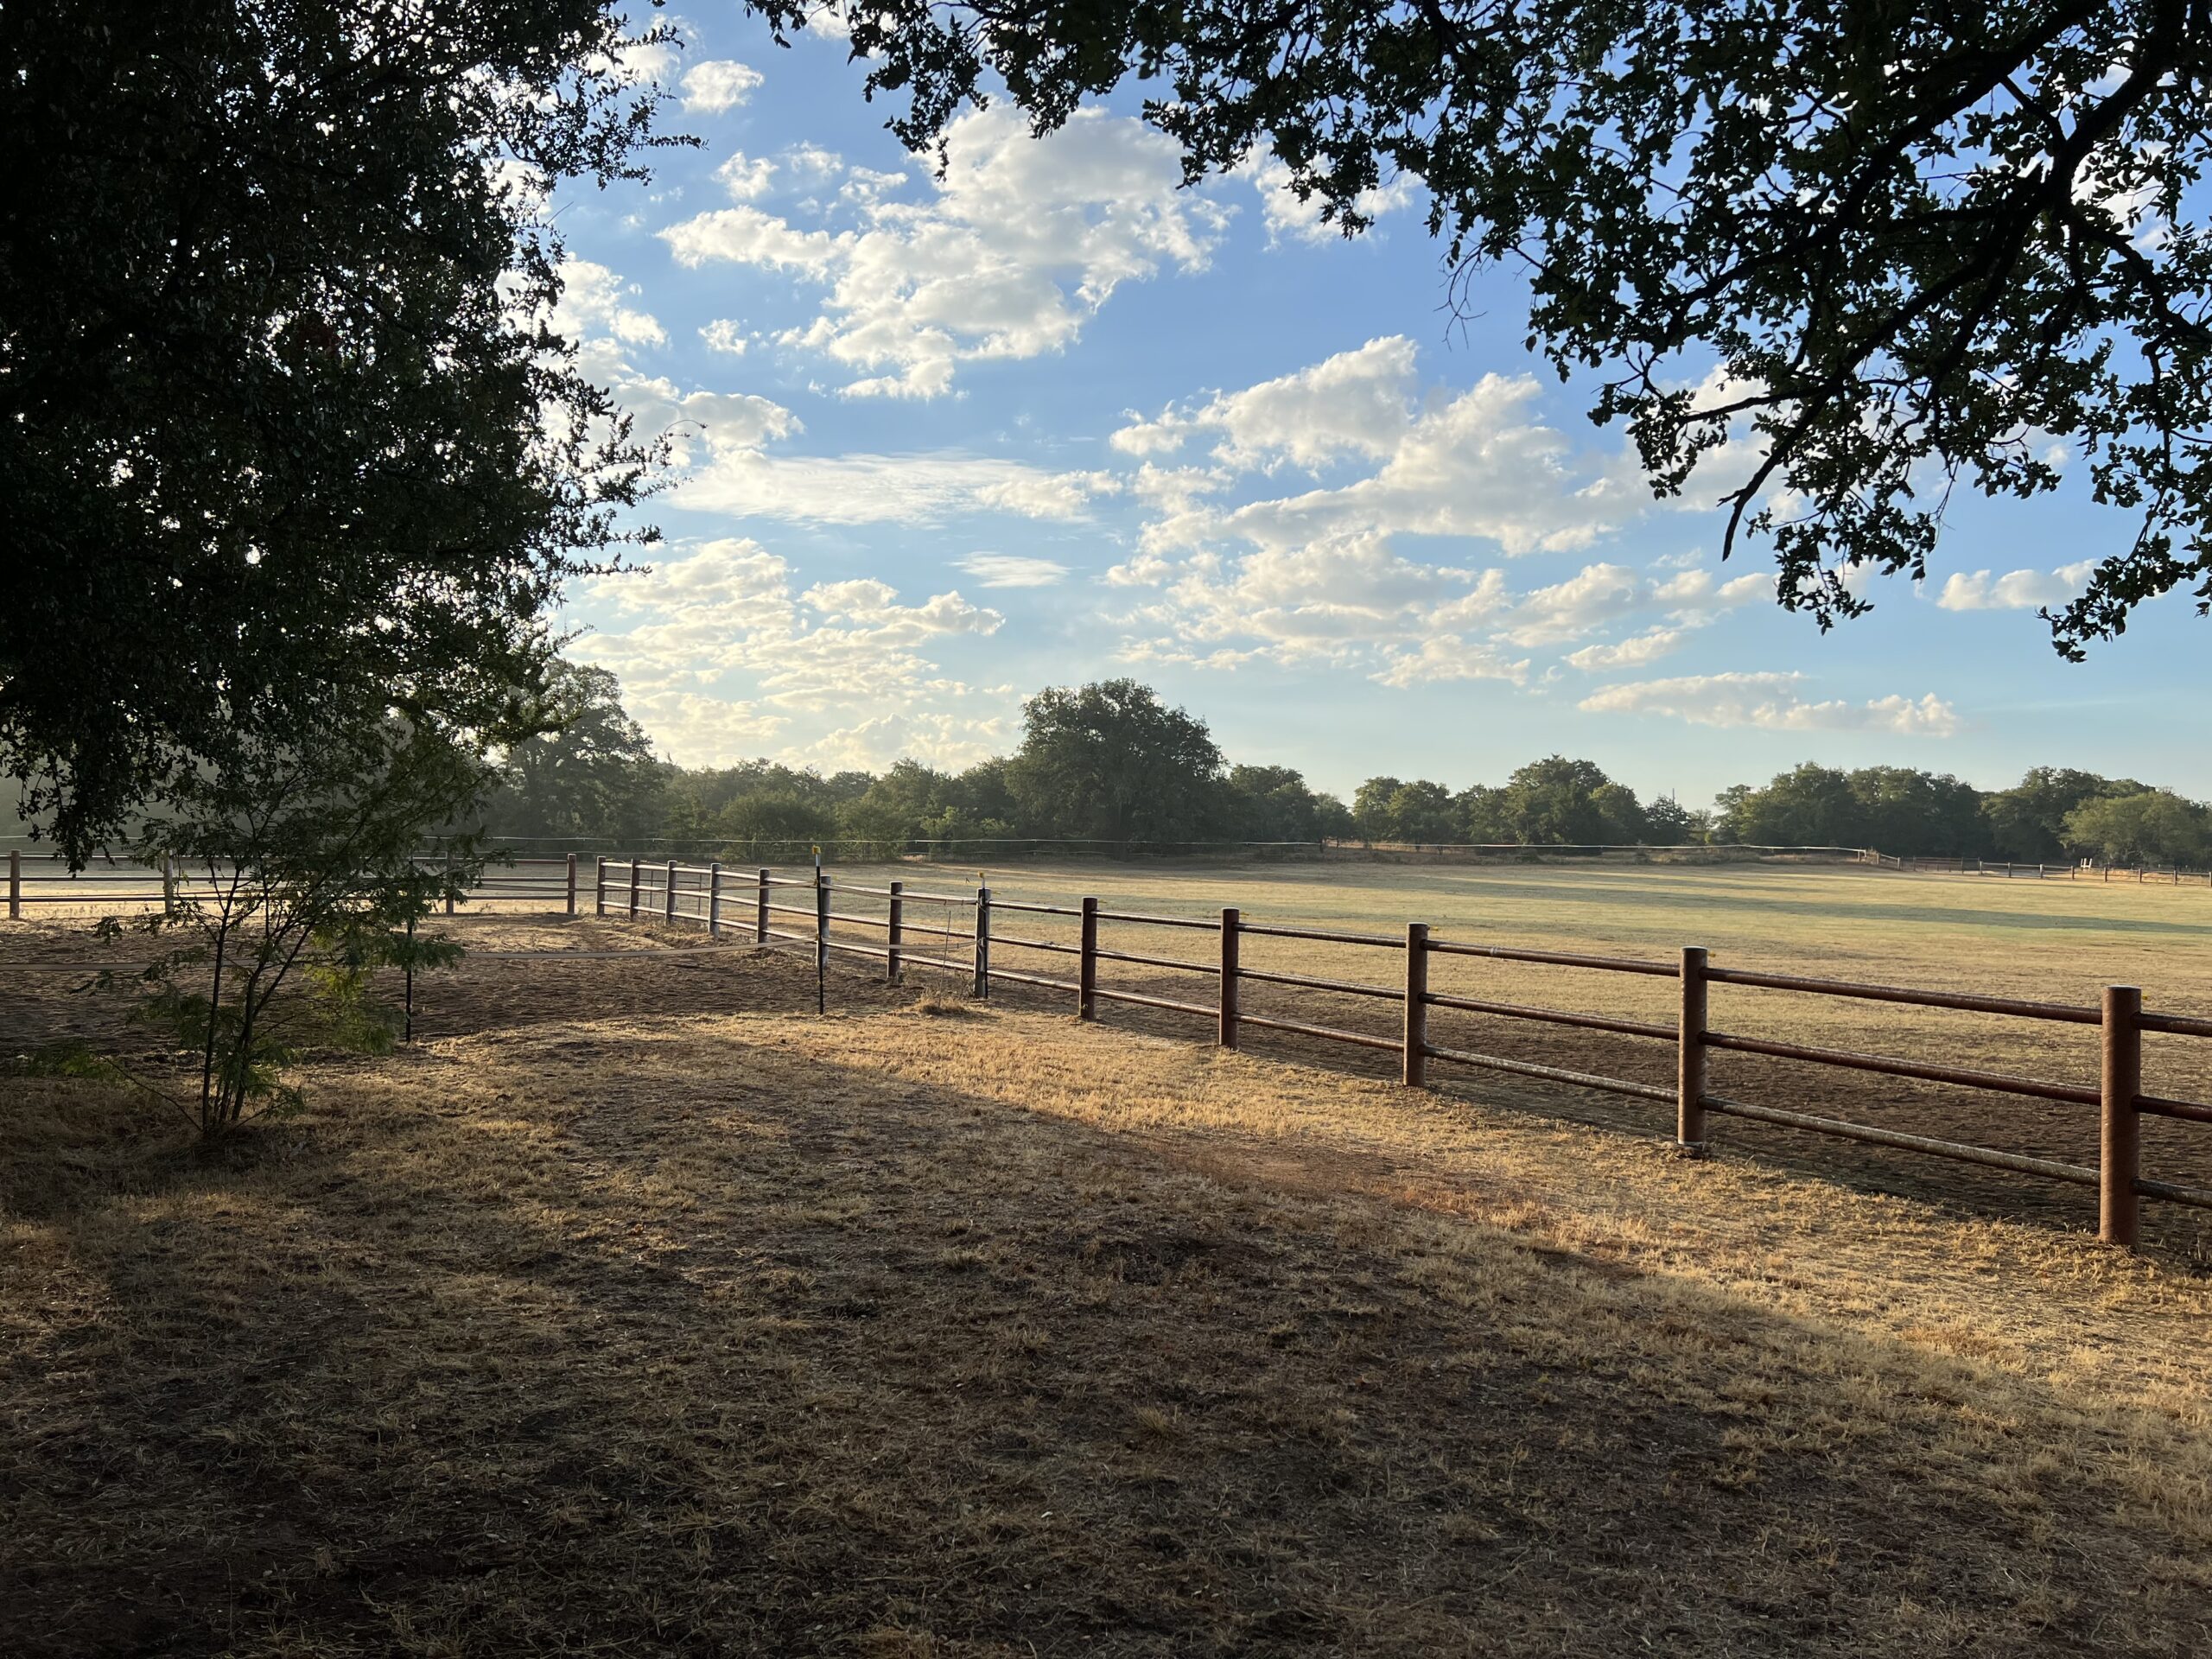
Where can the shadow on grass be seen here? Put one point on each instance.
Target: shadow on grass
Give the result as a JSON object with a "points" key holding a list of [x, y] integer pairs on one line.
{"points": [[685, 1338]]}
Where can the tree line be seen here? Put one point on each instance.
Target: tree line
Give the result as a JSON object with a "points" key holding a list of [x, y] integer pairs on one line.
{"points": [[1110, 762]]}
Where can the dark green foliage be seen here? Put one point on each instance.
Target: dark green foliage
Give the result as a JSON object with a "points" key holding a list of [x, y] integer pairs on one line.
{"points": [[1110, 761], [2028, 822], [1900, 236], [282, 430]]}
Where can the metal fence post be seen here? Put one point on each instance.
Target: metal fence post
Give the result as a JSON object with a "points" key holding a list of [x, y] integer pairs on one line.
{"points": [[1690, 1053], [633, 889], [15, 885], [760, 913], [896, 933], [1414, 1070], [821, 924], [1231, 926], [983, 943], [715, 900], [572, 884], [2119, 1153], [1086, 978], [668, 893]]}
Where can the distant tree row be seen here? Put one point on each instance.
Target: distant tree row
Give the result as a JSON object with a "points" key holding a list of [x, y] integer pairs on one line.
{"points": [[1111, 762]]}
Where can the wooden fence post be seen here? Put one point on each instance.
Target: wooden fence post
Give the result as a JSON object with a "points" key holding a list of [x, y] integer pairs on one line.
{"points": [[2119, 1153], [1414, 1070], [1231, 926], [896, 933], [15, 885], [983, 943], [1690, 1053], [572, 884], [714, 898], [760, 913], [1086, 973], [668, 893], [633, 889], [599, 885]]}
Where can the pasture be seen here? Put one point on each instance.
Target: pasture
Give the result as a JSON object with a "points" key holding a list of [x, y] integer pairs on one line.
{"points": [[637, 1309]]}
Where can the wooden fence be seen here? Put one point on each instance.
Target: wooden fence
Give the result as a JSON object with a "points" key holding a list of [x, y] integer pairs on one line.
{"points": [[48, 881], [719, 901]]}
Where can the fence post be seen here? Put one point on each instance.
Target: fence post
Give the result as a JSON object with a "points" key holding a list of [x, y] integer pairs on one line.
{"points": [[1231, 927], [15, 885], [2119, 1153], [633, 889], [599, 885], [668, 893], [821, 924], [715, 900], [1414, 1069], [896, 933], [572, 884], [1690, 1053], [983, 943], [169, 885], [449, 894], [760, 913], [1086, 973]]}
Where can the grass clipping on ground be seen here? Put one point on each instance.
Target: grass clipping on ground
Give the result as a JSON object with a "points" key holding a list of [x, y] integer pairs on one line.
{"points": [[896, 1334]]}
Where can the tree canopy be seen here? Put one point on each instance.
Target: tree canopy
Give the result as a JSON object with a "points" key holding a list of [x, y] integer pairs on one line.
{"points": [[1873, 252], [284, 438]]}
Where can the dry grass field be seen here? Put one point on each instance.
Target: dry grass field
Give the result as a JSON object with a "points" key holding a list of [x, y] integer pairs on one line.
{"points": [[636, 1310]]}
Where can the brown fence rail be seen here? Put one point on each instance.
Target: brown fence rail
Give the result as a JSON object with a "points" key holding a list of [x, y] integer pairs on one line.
{"points": [[2122, 1020], [747, 904]]}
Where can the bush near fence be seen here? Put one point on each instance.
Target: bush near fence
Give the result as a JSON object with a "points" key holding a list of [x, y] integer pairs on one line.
{"points": [[674, 892]]}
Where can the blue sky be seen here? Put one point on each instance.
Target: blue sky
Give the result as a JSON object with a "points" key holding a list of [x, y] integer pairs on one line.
{"points": [[1054, 418]]}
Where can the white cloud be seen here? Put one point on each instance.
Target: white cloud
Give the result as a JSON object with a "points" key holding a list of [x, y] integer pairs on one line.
{"points": [[1772, 702], [745, 177], [1023, 239], [593, 300], [1447, 657], [1357, 403], [724, 336], [717, 84], [2016, 590], [719, 659], [1630, 653], [1012, 570], [857, 489], [1289, 219]]}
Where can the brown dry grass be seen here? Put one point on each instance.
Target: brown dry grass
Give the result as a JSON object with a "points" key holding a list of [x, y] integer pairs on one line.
{"points": [[637, 1311]]}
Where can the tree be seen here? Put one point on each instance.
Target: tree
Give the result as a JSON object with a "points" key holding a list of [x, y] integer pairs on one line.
{"points": [[2028, 822], [1273, 804], [1902, 810], [1371, 807], [304, 857], [1810, 805], [1898, 248], [1556, 801], [592, 776], [2154, 827], [1669, 824], [282, 417], [1110, 762]]}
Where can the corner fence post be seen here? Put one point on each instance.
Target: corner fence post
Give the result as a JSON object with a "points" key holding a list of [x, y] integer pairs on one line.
{"points": [[1690, 1053], [714, 898], [15, 885], [896, 933], [1231, 926], [760, 913], [1086, 973], [599, 885], [633, 889], [572, 884], [983, 943], [2119, 1151], [1413, 1072], [668, 893]]}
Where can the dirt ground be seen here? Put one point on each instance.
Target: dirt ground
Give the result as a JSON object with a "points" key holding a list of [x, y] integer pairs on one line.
{"points": [[636, 1309]]}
